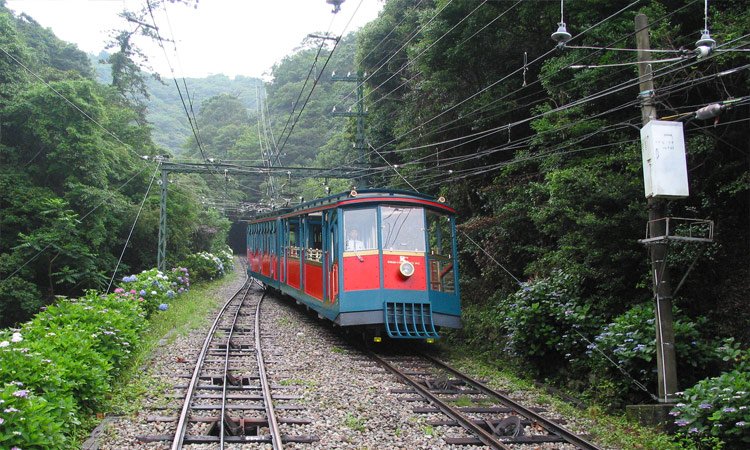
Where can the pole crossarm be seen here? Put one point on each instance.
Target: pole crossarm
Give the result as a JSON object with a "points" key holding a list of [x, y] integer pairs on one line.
{"points": [[234, 169]]}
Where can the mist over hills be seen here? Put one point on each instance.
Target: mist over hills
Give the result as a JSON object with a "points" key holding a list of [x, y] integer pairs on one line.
{"points": [[166, 113]]}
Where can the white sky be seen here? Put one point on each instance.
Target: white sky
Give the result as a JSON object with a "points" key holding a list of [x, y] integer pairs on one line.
{"points": [[233, 37]]}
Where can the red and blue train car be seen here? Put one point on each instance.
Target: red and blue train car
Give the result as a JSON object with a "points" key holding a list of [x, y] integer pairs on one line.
{"points": [[383, 260]]}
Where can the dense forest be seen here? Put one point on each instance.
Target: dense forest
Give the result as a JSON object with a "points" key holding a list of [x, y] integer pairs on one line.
{"points": [[76, 171], [537, 146]]}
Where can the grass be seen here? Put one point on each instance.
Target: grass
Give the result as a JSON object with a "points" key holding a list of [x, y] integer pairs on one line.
{"points": [[298, 382], [188, 312], [354, 423], [605, 429], [462, 401]]}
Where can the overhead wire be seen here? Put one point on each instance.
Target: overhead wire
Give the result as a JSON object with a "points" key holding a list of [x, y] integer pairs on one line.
{"points": [[71, 103], [502, 79], [130, 234], [317, 79], [105, 200], [192, 120], [367, 78]]}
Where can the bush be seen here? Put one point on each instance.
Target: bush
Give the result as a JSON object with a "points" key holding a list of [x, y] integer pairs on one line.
{"points": [[630, 341], [152, 288], [112, 322], [66, 357], [28, 421], [720, 406], [546, 320], [227, 258], [204, 266]]}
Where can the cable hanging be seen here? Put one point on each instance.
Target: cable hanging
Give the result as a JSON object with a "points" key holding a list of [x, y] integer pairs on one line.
{"points": [[130, 234]]}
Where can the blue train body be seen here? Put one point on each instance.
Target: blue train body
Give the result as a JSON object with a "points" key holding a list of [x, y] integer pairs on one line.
{"points": [[383, 260]]}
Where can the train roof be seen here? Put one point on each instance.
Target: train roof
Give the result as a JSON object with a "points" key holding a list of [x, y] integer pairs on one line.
{"points": [[359, 197]]}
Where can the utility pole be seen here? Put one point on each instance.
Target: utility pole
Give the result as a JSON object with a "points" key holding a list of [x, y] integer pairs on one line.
{"points": [[665, 349], [359, 114], [161, 254]]}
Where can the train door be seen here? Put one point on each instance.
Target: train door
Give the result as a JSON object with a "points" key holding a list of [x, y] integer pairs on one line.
{"points": [[332, 257], [273, 250], [283, 228], [313, 260], [294, 253]]}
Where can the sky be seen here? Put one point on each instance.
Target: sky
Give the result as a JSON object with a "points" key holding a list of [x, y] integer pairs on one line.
{"points": [[232, 37]]}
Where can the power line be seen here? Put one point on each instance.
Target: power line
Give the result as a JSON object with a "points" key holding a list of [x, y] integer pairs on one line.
{"points": [[105, 200], [70, 102], [143, 202]]}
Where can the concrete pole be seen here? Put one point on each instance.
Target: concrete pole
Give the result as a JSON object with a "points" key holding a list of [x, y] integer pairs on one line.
{"points": [[665, 349]]}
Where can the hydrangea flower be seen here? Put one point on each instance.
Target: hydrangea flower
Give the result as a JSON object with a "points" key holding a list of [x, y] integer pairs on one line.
{"points": [[23, 393], [16, 337], [4, 344], [119, 290], [143, 292], [705, 406], [163, 307], [681, 422]]}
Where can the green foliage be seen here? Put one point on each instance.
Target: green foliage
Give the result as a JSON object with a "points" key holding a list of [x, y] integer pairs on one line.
{"points": [[204, 266], [547, 322], [354, 423], [629, 340], [152, 288], [719, 407], [67, 357], [226, 256], [29, 421]]}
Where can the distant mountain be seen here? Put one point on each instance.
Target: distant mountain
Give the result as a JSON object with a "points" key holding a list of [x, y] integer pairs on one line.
{"points": [[166, 113]]}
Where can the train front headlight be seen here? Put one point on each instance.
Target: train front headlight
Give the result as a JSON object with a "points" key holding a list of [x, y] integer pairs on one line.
{"points": [[407, 269]]}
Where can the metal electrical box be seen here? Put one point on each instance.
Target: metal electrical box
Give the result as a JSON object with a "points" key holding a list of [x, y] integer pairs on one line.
{"points": [[664, 163]]}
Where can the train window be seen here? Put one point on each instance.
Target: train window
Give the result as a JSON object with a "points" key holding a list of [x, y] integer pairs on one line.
{"points": [[439, 234], [359, 229], [440, 241], [314, 240], [403, 229], [293, 238]]}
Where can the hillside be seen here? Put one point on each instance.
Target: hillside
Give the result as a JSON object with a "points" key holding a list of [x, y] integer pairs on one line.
{"points": [[166, 113]]}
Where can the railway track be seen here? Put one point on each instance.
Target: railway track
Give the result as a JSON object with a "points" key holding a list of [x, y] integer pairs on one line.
{"points": [[228, 399], [489, 417]]}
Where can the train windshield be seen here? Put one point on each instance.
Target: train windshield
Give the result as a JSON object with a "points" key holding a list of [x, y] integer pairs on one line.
{"points": [[359, 229], [403, 229]]}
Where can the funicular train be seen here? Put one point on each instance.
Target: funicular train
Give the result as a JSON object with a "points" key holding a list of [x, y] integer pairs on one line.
{"points": [[381, 260]]}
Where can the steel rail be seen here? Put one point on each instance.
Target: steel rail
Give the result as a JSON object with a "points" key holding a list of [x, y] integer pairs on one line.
{"points": [[179, 436], [485, 437], [547, 424], [226, 371], [273, 425]]}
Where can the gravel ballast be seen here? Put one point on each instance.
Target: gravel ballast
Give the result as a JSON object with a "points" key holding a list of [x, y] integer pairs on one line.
{"points": [[347, 397]]}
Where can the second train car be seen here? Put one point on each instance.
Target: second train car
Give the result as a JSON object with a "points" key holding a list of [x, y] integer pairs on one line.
{"points": [[382, 260]]}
